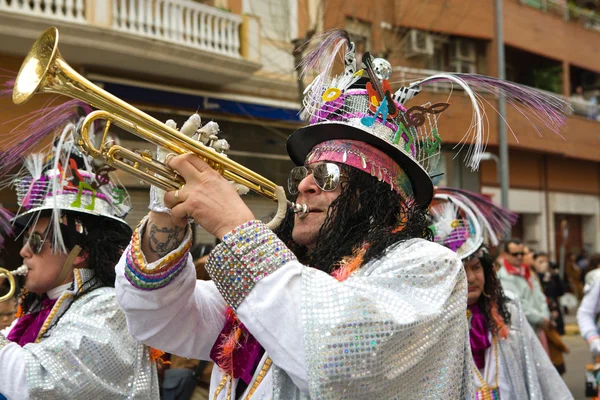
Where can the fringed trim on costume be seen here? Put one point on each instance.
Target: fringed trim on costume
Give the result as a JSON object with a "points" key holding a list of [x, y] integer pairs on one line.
{"points": [[229, 343], [350, 264], [500, 325], [156, 356], [20, 312]]}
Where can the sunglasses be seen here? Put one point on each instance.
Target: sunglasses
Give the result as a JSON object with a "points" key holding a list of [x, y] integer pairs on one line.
{"points": [[517, 254], [325, 175], [35, 241]]}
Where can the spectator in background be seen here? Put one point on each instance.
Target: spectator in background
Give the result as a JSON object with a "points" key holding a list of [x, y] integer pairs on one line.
{"points": [[579, 103], [528, 256], [574, 276], [517, 280], [553, 289], [592, 273], [578, 94], [583, 261]]}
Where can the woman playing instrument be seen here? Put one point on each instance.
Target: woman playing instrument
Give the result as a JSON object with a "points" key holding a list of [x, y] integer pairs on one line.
{"points": [[509, 361], [70, 339]]}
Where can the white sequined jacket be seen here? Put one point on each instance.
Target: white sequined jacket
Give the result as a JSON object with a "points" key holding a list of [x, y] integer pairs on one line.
{"points": [[396, 329], [88, 354]]}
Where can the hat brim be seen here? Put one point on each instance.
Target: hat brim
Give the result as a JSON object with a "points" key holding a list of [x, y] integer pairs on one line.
{"points": [[22, 221], [301, 142]]}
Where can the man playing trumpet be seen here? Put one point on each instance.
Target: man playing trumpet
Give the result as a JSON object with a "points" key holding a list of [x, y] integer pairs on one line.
{"points": [[346, 301]]}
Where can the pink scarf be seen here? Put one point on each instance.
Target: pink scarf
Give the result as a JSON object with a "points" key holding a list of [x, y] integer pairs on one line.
{"points": [[478, 335], [28, 327]]}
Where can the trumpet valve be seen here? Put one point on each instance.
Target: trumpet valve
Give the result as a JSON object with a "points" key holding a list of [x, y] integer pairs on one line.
{"points": [[221, 146]]}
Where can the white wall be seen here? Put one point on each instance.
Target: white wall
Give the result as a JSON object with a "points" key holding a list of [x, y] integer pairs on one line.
{"points": [[278, 26]]}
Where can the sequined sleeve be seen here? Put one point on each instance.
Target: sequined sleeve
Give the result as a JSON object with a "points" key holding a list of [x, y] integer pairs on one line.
{"points": [[245, 256], [152, 276]]}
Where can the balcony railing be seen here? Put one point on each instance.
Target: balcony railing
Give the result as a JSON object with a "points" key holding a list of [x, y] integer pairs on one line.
{"points": [[65, 10], [180, 21], [590, 19]]}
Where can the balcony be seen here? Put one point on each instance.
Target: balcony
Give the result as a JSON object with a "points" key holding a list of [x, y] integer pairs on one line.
{"points": [[588, 18], [581, 131], [179, 39]]}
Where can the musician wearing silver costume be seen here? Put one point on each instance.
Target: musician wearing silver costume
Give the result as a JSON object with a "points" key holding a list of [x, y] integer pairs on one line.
{"points": [[509, 360], [70, 340]]}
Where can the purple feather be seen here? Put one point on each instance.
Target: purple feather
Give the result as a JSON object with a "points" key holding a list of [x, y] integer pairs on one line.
{"points": [[6, 228], [321, 55], [544, 107], [44, 122], [6, 88]]}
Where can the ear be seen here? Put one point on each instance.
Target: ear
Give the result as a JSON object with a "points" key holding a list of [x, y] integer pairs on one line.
{"points": [[81, 259]]}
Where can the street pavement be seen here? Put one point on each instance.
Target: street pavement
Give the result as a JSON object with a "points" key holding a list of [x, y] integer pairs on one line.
{"points": [[576, 359]]}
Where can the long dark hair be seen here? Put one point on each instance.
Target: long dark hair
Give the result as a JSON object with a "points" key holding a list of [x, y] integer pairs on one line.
{"points": [[104, 243], [367, 211], [493, 301]]}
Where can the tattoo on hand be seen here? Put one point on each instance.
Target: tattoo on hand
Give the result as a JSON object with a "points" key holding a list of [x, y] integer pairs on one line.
{"points": [[164, 245]]}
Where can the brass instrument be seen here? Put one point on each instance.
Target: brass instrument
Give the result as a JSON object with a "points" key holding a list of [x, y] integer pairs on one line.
{"points": [[44, 70], [22, 270]]}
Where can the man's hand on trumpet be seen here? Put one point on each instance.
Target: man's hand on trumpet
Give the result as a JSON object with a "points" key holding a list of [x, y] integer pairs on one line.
{"points": [[170, 212], [207, 197]]}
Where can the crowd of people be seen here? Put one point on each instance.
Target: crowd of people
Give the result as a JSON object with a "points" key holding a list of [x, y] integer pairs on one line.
{"points": [[376, 285]]}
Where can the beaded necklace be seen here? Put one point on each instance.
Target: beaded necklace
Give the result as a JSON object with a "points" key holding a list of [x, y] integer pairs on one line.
{"points": [[485, 392]]}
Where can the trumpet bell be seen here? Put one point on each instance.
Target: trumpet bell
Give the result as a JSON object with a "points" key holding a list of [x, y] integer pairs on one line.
{"points": [[34, 69]]}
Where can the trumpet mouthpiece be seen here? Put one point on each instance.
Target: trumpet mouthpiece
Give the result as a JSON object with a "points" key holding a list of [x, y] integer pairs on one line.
{"points": [[22, 270]]}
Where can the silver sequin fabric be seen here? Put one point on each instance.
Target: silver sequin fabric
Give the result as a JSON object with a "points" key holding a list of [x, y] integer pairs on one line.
{"points": [[526, 365], [89, 354], [245, 256], [3, 341], [396, 329]]}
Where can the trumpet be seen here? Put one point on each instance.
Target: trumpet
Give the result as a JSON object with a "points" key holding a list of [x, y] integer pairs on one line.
{"points": [[45, 71], [10, 275]]}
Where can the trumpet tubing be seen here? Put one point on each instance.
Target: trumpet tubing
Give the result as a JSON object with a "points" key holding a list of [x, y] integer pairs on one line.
{"points": [[45, 71]]}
